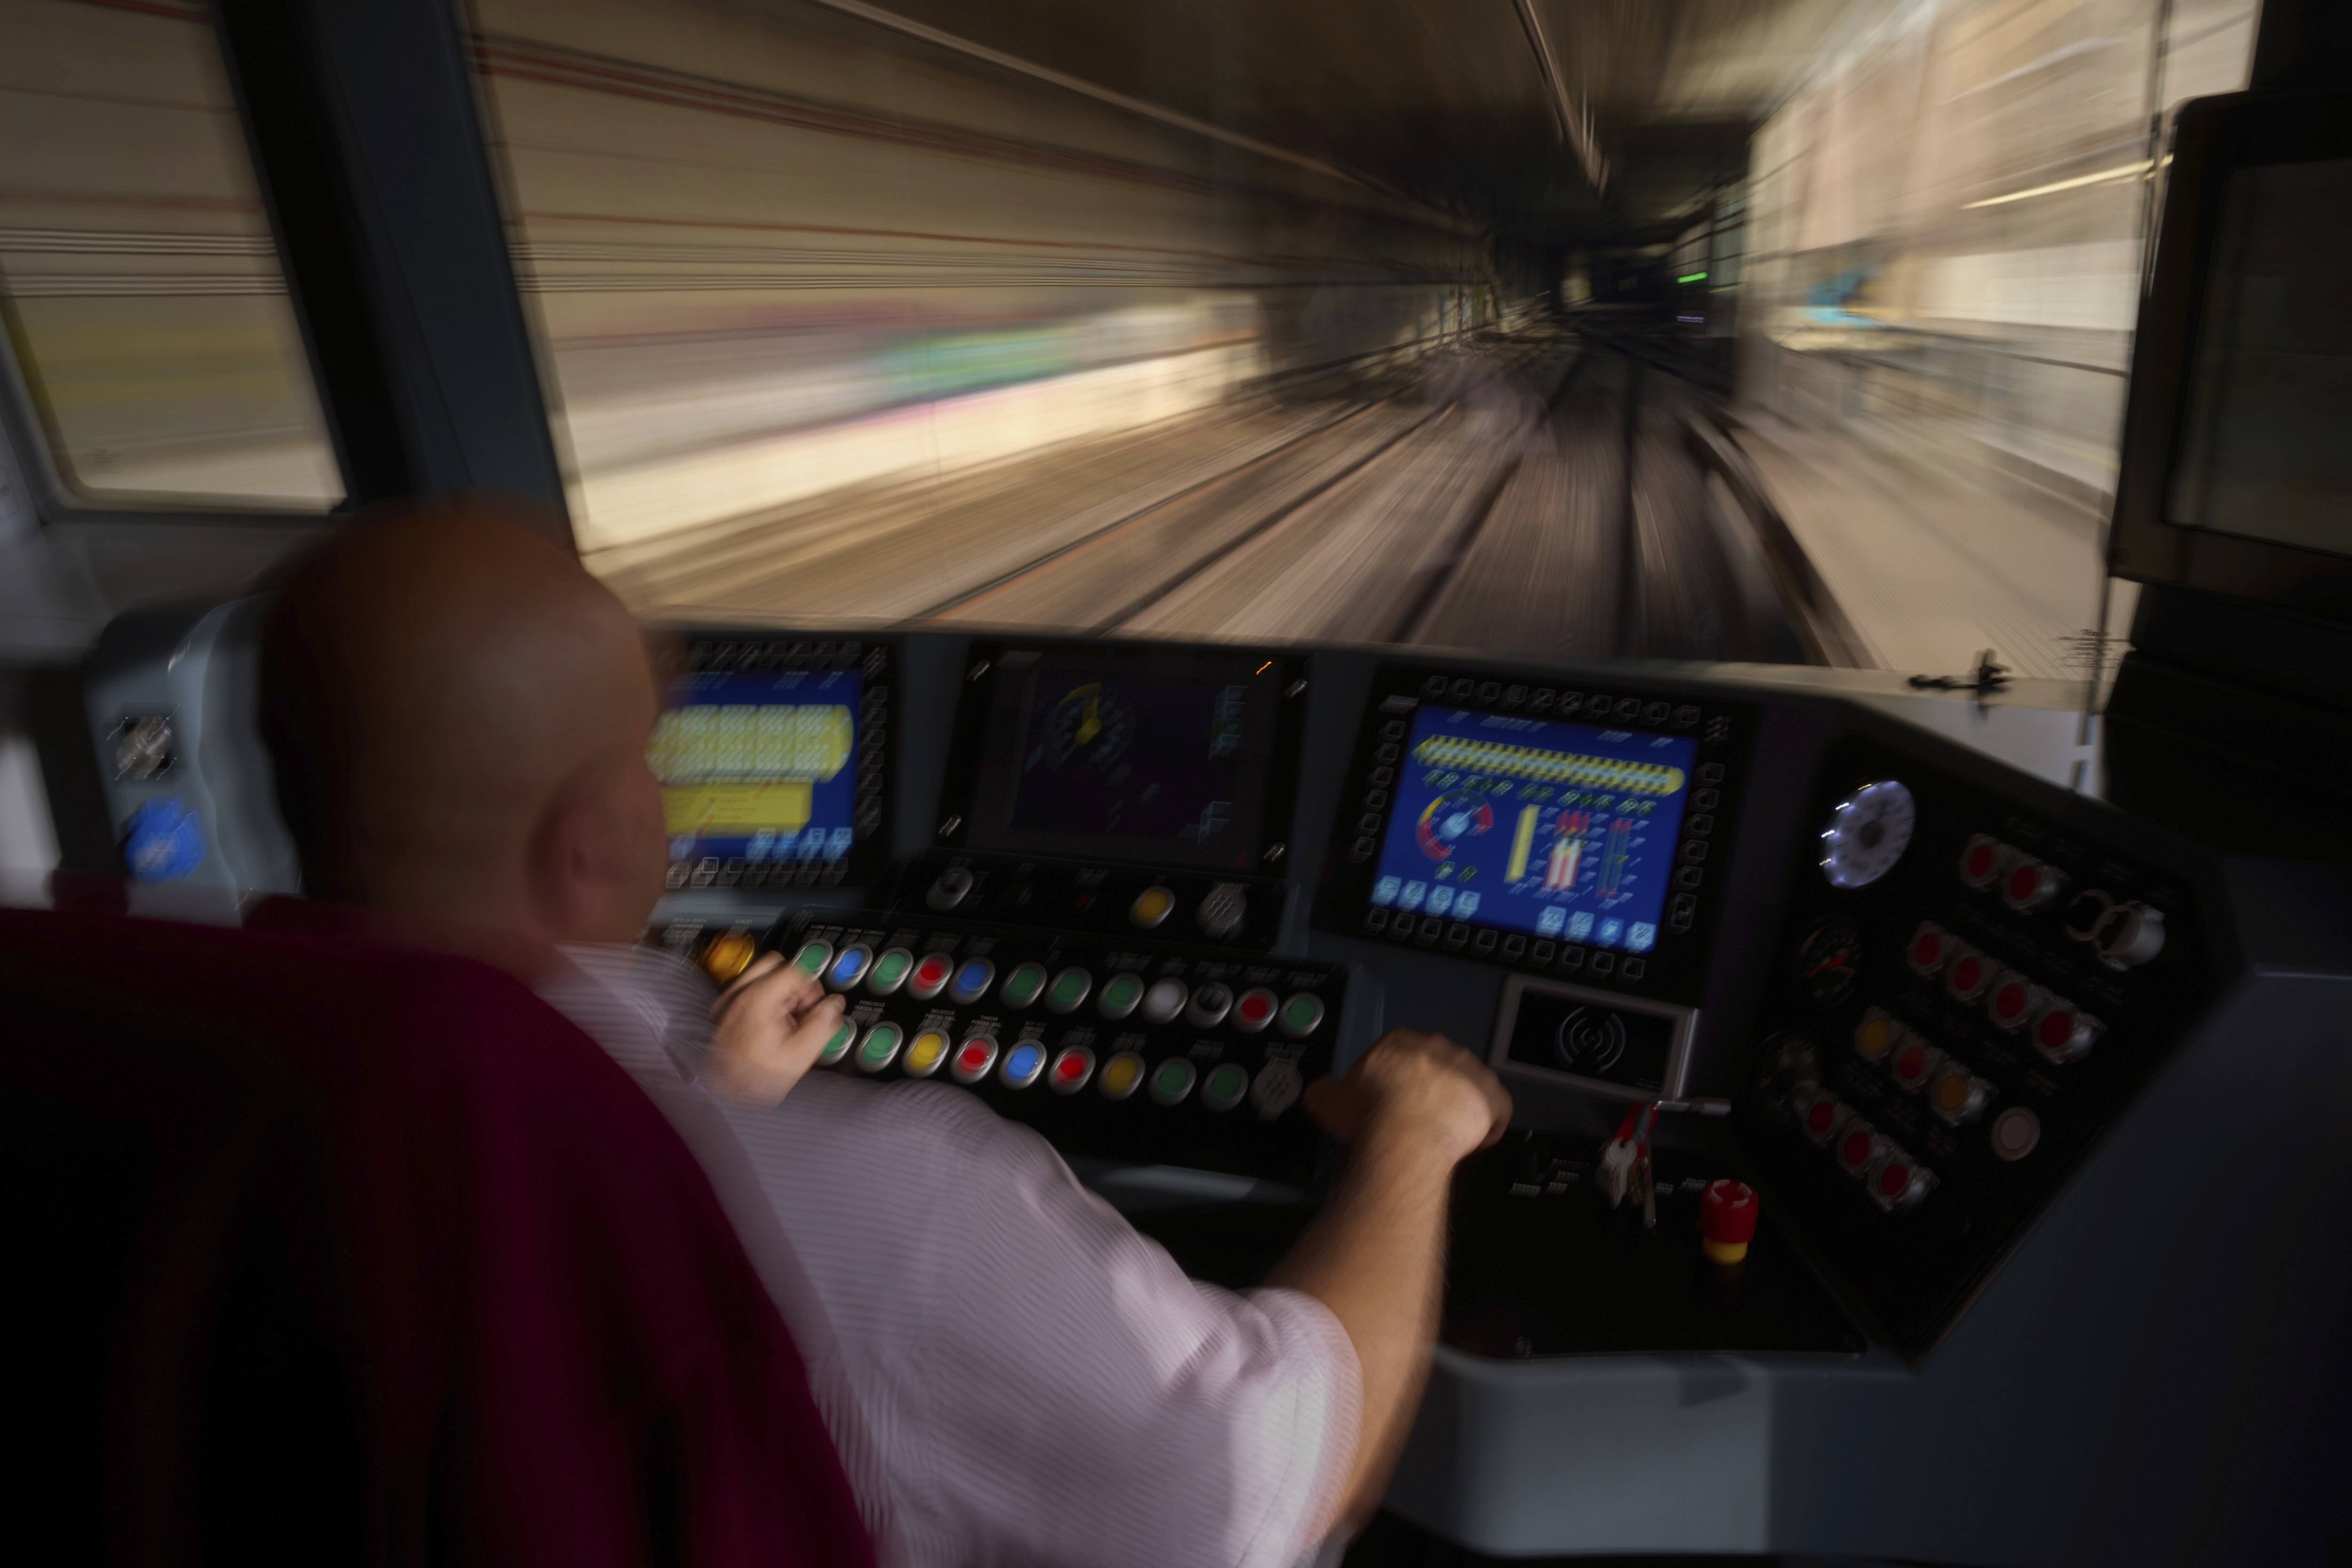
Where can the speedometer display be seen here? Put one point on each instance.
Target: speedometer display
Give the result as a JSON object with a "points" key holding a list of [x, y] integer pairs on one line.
{"points": [[1867, 833]]}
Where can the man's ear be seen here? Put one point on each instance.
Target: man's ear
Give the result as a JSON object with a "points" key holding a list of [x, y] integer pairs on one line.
{"points": [[586, 866]]}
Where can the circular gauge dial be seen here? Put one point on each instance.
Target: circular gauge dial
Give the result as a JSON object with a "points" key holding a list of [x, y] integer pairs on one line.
{"points": [[1450, 818], [1828, 961], [1867, 833], [1092, 723]]}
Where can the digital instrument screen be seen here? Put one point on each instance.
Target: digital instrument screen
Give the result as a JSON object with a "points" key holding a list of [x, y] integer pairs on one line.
{"points": [[1542, 825], [1159, 755], [759, 765]]}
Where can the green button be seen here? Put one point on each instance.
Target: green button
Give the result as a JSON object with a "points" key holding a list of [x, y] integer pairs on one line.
{"points": [[1301, 1015], [881, 1047], [1119, 994], [1174, 1081], [1226, 1088], [889, 970], [838, 1046], [813, 957], [1070, 988], [1021, 987]]}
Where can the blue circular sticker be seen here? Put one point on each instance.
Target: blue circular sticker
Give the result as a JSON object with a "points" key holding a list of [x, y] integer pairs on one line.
{"points": [[163, 841]]}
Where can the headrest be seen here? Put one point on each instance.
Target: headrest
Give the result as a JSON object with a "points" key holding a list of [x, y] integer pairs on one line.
{"points": [[331, 1249]]}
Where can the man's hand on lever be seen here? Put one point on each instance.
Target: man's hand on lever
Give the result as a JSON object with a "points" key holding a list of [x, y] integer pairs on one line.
{"points": [[1409, 1110], [771, 1022]]}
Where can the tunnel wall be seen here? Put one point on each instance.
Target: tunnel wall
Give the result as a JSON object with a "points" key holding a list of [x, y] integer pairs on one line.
{"points": [[778, 252]]}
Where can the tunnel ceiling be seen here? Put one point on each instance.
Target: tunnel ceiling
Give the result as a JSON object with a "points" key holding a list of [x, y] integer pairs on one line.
{"points": [[1444, 98]]}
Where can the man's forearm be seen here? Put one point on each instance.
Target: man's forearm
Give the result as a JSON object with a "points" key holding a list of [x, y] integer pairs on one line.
{"points": [[1376, 1258]]}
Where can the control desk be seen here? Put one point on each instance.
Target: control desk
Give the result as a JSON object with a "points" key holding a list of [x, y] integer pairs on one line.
{"points": [[2038, 1100]]}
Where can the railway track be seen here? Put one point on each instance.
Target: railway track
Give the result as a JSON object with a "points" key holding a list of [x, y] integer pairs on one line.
{"points": [[1542, 494]]}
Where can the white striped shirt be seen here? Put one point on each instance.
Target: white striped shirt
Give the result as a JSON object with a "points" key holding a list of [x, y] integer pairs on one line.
{"points": [[1012, 1372]]}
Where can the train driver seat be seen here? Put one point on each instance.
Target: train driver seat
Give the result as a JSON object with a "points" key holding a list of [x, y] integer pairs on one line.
{"points": [[324, 1251]]}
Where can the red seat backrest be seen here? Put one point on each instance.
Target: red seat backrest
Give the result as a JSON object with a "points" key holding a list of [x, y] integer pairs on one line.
{"points": [[329, 1252]]}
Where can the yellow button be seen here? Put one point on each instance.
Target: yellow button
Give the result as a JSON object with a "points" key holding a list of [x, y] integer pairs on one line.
{"points": [[1874, 1034], [725, 959], [1953, 1093], [1121, 1074], [1151, 907], [924, 1056]]}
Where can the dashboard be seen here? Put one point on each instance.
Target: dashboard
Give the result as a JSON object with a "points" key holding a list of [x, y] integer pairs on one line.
{"points": [[1977, 1045]]}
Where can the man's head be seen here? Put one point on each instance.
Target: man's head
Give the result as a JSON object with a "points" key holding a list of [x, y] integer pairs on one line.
{"points": [[458, 713]]}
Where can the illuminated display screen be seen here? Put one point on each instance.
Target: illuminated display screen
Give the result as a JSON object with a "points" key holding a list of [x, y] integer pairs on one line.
{"points": [[1161, 756], [1541, 825], [757, 765]]}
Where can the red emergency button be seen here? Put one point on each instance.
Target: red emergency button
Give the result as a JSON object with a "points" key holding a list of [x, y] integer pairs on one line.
{"points": [[930, 975], [1928, 950], [1727, 1220], [1254, 1011]]}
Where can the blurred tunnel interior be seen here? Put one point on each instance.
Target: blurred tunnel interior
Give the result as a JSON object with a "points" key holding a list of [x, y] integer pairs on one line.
{"points": [[1777, 330]]}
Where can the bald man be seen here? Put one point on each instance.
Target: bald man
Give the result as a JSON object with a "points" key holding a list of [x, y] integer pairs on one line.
{"points": [[458, 715]]}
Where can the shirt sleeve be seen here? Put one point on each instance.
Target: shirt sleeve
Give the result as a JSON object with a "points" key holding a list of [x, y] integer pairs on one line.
{"points": [[1075, 1398]]}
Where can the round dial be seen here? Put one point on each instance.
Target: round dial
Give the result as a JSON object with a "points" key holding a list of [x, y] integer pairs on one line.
{"points": [[1828, 961], [1092, 723], [1867, 833]]}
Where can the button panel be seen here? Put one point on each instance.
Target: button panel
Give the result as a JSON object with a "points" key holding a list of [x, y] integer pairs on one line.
{"points": [[1124, 1048], [1913, 1123]]}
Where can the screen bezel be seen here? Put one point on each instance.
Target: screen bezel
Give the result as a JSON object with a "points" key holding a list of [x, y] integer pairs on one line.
{"points": [[984, 670], [690, 650], [2212, 138], [1676, 970]]}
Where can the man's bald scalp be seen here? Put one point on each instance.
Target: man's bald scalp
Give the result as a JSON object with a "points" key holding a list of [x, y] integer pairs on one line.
{"points": [[431, 677]]}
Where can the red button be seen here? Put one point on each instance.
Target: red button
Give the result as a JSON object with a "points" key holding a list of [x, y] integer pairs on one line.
{"points": [[1256, 1009], [2057, 1028], [973, 1057], [1856, 1150], [932, 970], [1910, 1064], [2009, 1001], [1820, 1117], [1073, 1066], [1926, 950], [1892, 1180], [1968, 973], [1981, 859]]}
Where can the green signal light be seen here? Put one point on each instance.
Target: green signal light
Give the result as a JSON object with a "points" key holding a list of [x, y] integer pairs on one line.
{"points": [[1692, 278]]}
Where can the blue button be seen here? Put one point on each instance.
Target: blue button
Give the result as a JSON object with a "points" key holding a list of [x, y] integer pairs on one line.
{"points": [[849, 967], [1022, 1063], [972, 981], [163, 841]]}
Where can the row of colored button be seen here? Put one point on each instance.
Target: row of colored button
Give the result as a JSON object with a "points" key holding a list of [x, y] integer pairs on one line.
{"points": [[1954, 1094], [2057, 1028], [1021, 1065], [2026, 884], [1202, 1006], [1891, 1178]]}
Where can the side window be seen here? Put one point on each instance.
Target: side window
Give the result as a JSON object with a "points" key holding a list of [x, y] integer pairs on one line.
{"points": [[145, 309]]}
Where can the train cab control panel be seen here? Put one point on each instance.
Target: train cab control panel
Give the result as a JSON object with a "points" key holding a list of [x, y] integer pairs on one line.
{"points": [[1139, 896]]}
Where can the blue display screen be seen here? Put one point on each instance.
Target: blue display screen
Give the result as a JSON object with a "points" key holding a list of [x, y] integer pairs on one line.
{"points": [[1541, 825], [759, 765]]}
